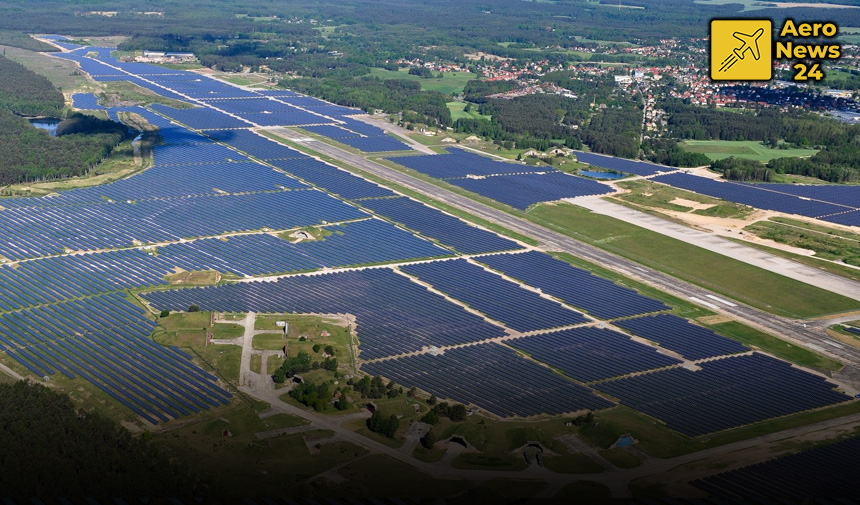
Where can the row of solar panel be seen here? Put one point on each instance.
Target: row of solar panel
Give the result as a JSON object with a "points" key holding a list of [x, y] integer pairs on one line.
{"points": [[44, 231], [64, 277], [393, 315], [828, 472], [725, 393], [106, 342]]}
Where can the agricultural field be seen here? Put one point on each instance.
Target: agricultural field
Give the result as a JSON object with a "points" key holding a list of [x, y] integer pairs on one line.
{"points": [[748, 149], [458, 112], [451, 83]]}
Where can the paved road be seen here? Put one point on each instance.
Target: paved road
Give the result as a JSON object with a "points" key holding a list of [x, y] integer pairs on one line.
{"points": [[715, 243], [790, 329]]}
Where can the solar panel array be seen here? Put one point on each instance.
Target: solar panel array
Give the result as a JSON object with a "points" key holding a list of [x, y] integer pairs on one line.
{"points": [[672, 332], [600, 297], [104, 340], [725, 393], [754, 196], [334, 180], [86, 101], [493, 377], [501, 300], [588, 354], [41, 231], [393, 315], [461, 163], [519, 186], [215, 189], [435, 224], [201, 118], [523, 190], [827, 472], [620, 164]]}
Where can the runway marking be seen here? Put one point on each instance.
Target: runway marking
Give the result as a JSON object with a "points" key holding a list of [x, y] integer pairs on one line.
{"points": [[703, 302], [721, 300]]}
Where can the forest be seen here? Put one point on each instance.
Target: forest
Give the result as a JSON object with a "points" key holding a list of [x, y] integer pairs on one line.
{"points": [[26, 93], [369, 93], [50, 448], [29, 154], [837, 161]]}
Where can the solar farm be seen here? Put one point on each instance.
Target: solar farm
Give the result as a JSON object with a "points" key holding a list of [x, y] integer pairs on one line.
{"points": [[438, 303], [519, 186], [835, 204]]}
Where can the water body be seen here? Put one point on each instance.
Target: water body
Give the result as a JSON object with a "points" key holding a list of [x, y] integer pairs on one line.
{"points": [[48, 124], [606, 176]]}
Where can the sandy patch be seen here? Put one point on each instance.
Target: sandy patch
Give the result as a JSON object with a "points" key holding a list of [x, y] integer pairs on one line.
{"points": [[692, 204], [716, 319]]}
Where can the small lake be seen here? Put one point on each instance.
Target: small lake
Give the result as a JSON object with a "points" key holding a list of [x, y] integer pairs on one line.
{"points": [[46, 123], [601, 175]]}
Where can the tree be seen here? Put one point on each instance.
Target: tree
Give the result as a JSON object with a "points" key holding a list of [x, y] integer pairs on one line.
{"points": [[342, 403], [193, 308], [431, 400], [317, 347], [279, 376], [428, 440], [329, 350], [430, 417], [457, 413], [164, 313]]}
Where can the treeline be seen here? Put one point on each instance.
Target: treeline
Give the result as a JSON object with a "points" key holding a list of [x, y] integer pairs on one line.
{"points": [[24, 41], [741, 169], [50, 448], [686, 121], [615, 131], [476, 91], [27, 93], [837, 161], [669, 152], [28, 154], [532, 121], [391, 96]]}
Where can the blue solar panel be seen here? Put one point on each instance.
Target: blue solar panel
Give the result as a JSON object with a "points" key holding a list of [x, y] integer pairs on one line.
{"points": [[446, 229], [812, 476], [621, 164], [751, 195], [201, 118], [460, 163], [672, 332], [502, 300], [332, 179], [86, 101], [725, 393], [105, 340], [491, 376], [589, 354], [393, 315], [600, 297], [523, 190]]}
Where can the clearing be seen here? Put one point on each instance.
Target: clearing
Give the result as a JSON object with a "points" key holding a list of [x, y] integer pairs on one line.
{"points": [[748, 149]]}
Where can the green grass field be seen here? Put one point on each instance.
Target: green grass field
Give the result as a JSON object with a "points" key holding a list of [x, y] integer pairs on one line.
{"points": [[451, 82], [458, 112], [735, 279], [827, 243], [749, 149]]}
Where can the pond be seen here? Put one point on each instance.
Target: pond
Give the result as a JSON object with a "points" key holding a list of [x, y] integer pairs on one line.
{"points": [[46, 123], [601, 175]]}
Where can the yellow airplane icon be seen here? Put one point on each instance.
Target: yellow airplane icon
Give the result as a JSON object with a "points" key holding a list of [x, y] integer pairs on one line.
{"points": [[750, 42]]}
